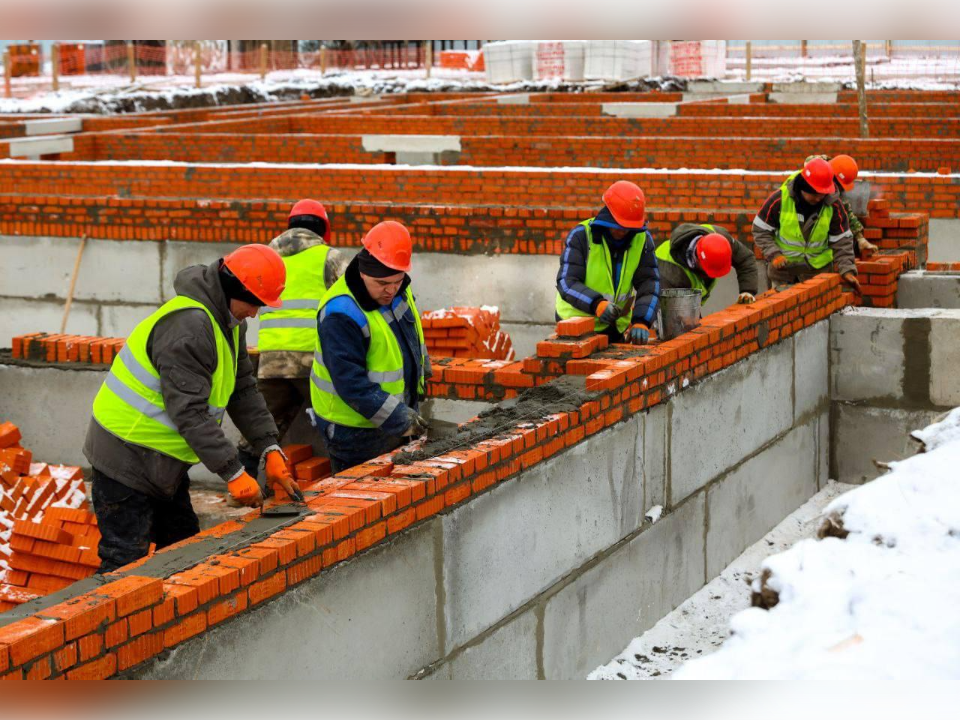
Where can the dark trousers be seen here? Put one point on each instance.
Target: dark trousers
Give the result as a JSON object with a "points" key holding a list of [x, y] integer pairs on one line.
{"points": [[348, 446], [129, 520], [285, 399]]}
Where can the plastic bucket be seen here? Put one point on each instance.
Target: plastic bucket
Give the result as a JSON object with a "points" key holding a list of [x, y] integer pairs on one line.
{"points": [[679, 311]]}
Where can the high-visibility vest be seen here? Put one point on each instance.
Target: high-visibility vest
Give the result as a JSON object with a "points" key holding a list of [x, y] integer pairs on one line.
{"points": [[293, 326], [696, 282], [600, 278], [815, 250], [130, 405], [384, 363]]}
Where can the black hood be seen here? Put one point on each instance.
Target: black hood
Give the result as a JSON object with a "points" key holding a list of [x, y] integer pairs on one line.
{"points": [[359, 290], [202, 283]]}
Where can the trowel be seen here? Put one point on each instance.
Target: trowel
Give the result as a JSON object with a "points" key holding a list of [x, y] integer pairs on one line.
{"points": [[272, 507], [440, 429]]}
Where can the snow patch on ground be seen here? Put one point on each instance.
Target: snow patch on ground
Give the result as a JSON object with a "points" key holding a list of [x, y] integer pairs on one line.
{"points": [[879, 604]]}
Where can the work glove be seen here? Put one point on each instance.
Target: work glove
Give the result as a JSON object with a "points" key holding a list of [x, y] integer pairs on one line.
{"points": [[607, 312], [850, 278], [278, 473], [779, 262], [638, 335], [416, 425], [745, 298], [245, 490], [867, 248]]}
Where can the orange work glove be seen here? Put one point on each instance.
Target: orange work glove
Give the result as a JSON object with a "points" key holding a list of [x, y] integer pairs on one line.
{"points": [[245, 490], [779, 262], [278, 473], [607, 312], [850, 278]]}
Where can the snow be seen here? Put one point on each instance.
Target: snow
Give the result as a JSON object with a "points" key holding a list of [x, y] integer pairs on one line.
{"points": [[940, 433], [654, 513], [879, 604]]}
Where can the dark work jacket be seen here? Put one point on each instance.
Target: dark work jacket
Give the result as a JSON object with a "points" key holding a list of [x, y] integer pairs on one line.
{"points": [[183, 349], [744, 262]]}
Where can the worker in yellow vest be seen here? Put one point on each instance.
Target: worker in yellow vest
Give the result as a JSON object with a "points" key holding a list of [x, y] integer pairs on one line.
{"points": [[288, 334], [159, 410], [370, 363], [697, 255]]}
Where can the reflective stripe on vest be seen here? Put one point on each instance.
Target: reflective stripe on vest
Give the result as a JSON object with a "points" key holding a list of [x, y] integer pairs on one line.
{"points": [[696, 282], [384, 363], [293, 326], [130, 404], [600, 279], [816, 250]]}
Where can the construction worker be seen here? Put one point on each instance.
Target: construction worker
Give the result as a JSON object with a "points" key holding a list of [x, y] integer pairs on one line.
{"points": [[159, 410], [288, 334], [845, 173], [696, 256], [370, 363], [608, 268], [802, 229]]}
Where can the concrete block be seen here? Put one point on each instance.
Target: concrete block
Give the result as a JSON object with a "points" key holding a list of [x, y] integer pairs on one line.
{"points": [[410, 143], [373, 618], [823, 449], [42, 145], [508, 653], [746, 504], [418, 158], [866, 355], [509, 544], [728, 416], [120, 320], [25, 316], [51, 407], [928, 290], [41, 267], [53, 126], [639, 109], [944, 241], [717, 87], [524, 286], [803, 98], [862, 434], [514, 99], [944, 358], [595, 616], [803, 86], [654, 456], [176, 255], [811, 369]]}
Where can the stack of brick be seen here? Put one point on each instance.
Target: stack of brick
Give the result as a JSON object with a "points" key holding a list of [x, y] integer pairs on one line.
{"points": [[56, 347], [464, 332], [907, 232], [306, 467], [879, 278]]}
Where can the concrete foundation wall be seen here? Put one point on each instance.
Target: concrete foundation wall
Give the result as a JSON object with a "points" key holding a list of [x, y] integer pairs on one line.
{"points": [[891, 372], [919, 289], [547, 574]]}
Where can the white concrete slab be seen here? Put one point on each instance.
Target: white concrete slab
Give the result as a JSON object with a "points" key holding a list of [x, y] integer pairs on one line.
{"points": [[42, 145], [54, 126], [411, 143], [639, 109]]}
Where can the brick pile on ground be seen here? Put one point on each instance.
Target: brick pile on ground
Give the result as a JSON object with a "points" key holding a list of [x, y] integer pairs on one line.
{"points": [[57, 347], [48, 537], [467, 332]]}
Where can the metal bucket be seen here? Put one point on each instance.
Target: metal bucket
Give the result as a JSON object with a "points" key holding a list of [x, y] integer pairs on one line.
{"points": [[679, 311]]}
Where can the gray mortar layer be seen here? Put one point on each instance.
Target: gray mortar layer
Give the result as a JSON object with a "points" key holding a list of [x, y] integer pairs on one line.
{"points": [[564, 394]]}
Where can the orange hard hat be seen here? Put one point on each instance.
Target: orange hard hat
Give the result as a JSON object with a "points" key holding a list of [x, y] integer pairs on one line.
{"points": [[261, 271], [309, 207], [714, 255], [845, 169], [626, 203], [390, 243], [819, 176]]}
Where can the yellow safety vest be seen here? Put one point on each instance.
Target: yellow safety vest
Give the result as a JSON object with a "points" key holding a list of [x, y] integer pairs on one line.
{"points": [[815, 250], [384, 364], [293, 326], [130, 405], [696, 282]]}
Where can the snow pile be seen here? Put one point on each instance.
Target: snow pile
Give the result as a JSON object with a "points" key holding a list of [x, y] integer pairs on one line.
{"points": [[940, 433], [876, 599]]}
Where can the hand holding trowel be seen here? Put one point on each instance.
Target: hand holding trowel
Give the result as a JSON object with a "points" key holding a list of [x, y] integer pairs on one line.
{"points": [[278, 474]]}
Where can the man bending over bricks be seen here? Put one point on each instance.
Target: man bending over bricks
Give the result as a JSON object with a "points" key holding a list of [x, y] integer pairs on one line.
{"points": [[803, 229], [160, 408], [696, 256], [608, 268]]}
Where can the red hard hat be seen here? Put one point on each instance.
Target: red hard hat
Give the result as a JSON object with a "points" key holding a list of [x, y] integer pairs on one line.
{"points": [[819, 176], [261, 271], [309, 207], [626, 203], [845, 169], [390, 243], [714, 255]]}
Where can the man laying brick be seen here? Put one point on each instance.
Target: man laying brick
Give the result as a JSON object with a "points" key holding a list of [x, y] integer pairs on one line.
{"points": [[845, 171], [289, 333], [160, 408], [696, 256], [370, 364], [803, 229], [608, 268]]}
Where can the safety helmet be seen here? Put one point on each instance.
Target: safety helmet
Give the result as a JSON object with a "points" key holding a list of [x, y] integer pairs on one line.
{"points": [[845, 169], [309, 207], [819, 176], [626, 203], [261, 271], [714, 255], [390, 243]]}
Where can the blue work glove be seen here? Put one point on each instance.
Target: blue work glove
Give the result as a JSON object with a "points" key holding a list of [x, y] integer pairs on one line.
{"points": [[638, 335], [607, 312], [416, 426]]}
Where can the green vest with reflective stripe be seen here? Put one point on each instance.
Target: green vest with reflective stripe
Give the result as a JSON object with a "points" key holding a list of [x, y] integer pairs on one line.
{"points": [[130, 405], [384, 365], [600, 278], [293, 326], [696, 282], [815, 250]]}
